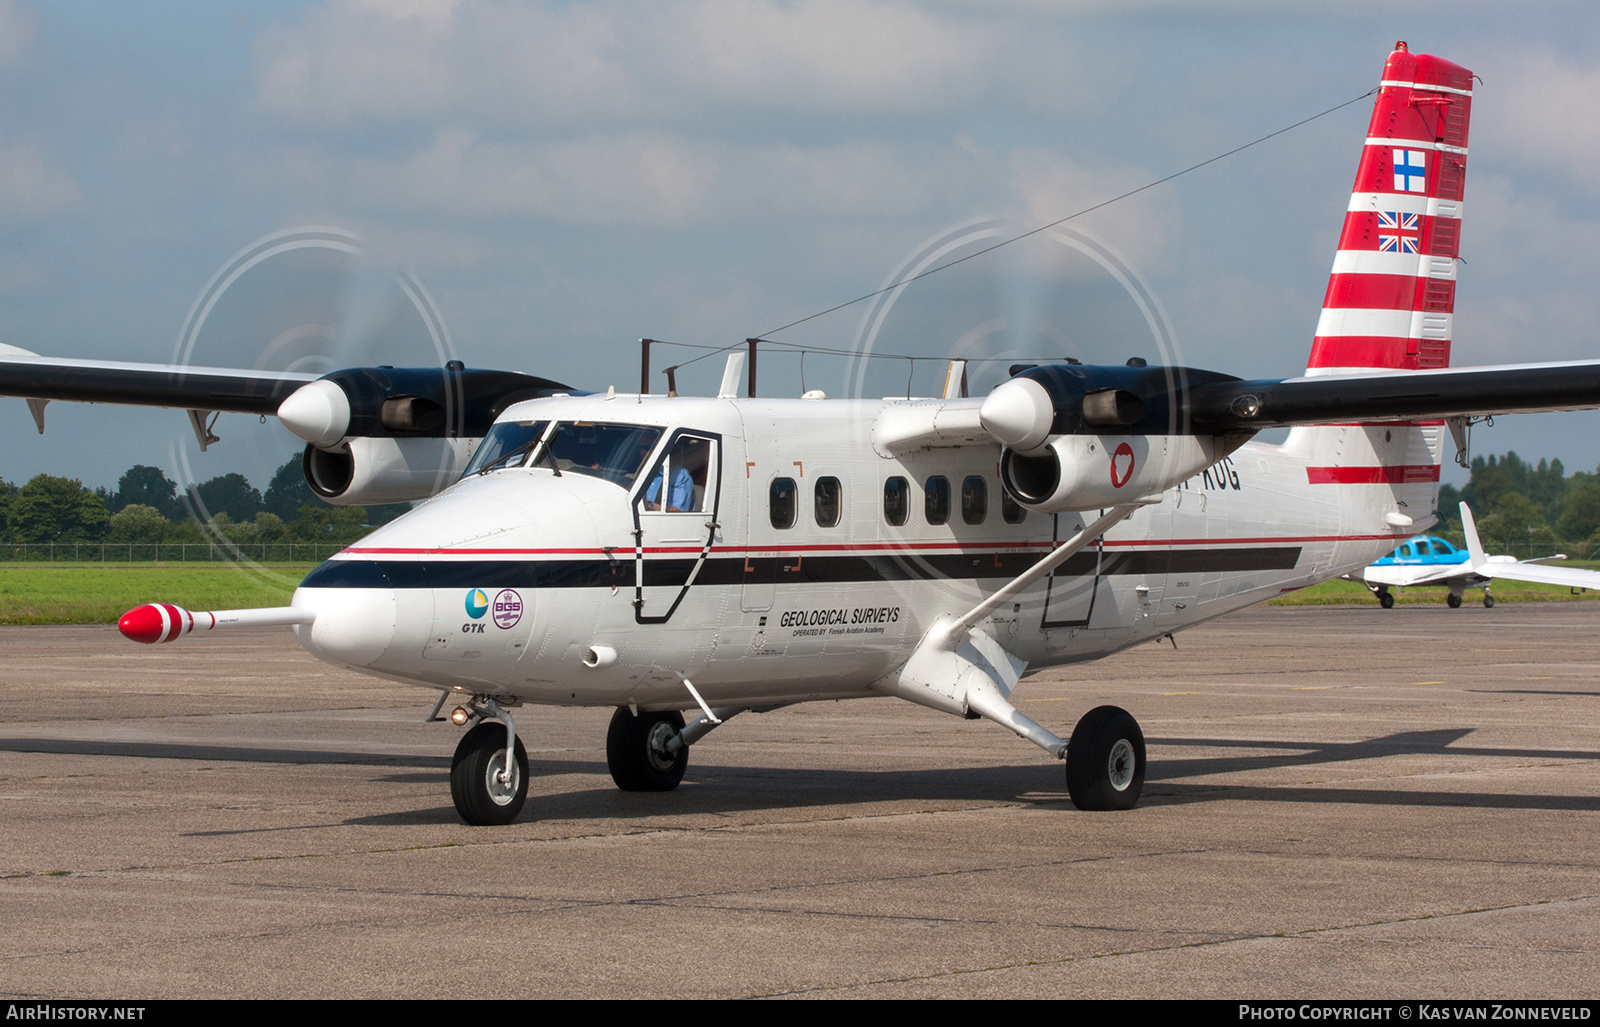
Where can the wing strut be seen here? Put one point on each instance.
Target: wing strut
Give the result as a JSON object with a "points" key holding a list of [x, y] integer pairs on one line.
{"points": [[958, 669]]}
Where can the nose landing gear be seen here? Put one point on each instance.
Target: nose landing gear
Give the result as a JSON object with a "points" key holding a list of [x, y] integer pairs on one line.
{"points": [[488, 787]]}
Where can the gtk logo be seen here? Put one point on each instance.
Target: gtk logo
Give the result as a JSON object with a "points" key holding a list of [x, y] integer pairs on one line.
{"points": [[477, 606]]}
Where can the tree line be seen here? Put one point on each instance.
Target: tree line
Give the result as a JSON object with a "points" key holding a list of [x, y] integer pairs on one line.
{"points": [[1531, 509], [147, 508], [1527, 509]]}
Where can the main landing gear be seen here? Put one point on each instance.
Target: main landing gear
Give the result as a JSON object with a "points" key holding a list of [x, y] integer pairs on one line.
{"points": [[1453, 601], [1385, 599], [639, 752], [1105, 760]]}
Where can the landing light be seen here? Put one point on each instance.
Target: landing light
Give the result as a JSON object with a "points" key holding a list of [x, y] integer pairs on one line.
{"points": [[459, 716]]}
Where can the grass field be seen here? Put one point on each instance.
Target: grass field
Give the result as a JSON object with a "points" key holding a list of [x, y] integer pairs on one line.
{"points": [[99, 593], [1336, 593], [85, 593]]}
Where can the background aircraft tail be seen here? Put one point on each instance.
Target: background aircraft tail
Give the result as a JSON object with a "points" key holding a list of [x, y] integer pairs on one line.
{"points": [[1391, 296]]}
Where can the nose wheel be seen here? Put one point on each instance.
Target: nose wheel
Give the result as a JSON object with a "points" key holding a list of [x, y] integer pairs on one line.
{"points": [[637, 752], [487, 788], [1105, 760]]}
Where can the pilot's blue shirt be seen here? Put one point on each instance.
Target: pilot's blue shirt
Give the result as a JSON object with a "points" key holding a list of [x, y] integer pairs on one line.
{"points": [[681, 495]]}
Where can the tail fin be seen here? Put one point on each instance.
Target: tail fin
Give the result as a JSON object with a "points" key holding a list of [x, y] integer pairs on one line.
{"points": [[1474, 546], [1392, 292]]}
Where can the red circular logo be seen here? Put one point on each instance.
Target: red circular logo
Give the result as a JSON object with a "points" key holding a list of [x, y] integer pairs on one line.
{"points": [[1123, 457]]}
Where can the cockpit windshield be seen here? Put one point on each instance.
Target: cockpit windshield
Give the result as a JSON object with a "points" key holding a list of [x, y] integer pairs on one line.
{"points": [[615, 452], [506, 445]]}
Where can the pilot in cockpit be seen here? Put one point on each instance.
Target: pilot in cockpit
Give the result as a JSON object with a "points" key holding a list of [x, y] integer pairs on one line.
{"points": [[686, 465]]}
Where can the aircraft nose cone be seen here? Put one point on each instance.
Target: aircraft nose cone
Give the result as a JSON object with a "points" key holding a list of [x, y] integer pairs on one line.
{"points": [[353, 626], [1018, 413]]}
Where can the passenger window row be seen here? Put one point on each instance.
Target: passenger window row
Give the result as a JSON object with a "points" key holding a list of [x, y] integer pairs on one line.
{"points": [[783, 502]]}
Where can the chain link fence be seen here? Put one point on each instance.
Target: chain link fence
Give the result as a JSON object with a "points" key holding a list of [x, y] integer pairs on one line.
{"points": [[174, 552]]}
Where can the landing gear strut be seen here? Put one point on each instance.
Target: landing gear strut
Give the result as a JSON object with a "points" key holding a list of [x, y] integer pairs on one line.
{"points": [[638, 752], [1105, 760]]}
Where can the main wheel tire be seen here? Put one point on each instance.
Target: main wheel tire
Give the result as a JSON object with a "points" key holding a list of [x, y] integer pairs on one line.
{"points": [[481, 796], [1488, 601], [1453, 601], [1105, 760], [636, 751], [1386, 600]]}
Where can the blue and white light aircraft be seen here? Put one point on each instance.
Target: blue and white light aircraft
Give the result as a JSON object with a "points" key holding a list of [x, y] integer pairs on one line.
{"points": [[1429, 560], [655, 554]]}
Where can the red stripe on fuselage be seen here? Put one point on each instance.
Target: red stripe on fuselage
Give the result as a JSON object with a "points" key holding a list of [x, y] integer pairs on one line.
{"points": [[1383, 475]]}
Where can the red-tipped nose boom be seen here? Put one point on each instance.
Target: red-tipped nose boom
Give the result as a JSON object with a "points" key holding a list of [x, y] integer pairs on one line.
{"points": [[163, 622]]}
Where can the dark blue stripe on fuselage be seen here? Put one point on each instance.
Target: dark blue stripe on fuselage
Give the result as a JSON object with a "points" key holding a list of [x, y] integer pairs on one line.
{"points": [[739, 570]]}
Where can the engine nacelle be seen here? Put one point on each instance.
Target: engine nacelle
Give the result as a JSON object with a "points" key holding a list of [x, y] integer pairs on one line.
{"points": [[1086, 472], [367, 471]]}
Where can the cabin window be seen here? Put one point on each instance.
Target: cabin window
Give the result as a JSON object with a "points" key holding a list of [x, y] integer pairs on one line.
{"points": [[974, 499], [825, 496], [1443, 548], [1010, 509], [895, 502], [781, 502], [936, 499]]}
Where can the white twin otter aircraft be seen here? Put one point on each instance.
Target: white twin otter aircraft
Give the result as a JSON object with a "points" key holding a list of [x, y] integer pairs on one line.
{"points": [[658, 554]]}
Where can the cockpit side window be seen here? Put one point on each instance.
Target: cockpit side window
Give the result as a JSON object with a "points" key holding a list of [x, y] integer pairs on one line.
{"points": [[1443, 548], [684, 469]]}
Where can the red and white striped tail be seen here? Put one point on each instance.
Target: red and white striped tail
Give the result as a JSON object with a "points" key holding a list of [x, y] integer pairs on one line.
{"points": [[1392, 293]]}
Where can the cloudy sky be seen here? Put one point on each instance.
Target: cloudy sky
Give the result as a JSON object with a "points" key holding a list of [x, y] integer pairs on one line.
{"points": [[565, 178]]}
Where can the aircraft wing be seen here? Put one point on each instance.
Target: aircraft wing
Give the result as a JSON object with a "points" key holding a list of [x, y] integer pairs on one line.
{"points": [[33, 377], [1521, 570], [1055, 399], [1396, 395], [1397, 576]]}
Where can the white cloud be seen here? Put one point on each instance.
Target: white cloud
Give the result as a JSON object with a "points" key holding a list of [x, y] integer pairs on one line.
{"points": [[30, 188], [486, 63], [16, 30], [1051, 187], [643, 178], [1542, 108]]}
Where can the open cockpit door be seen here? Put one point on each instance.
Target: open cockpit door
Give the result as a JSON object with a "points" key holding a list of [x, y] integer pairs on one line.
{"points": [[675, 522]]}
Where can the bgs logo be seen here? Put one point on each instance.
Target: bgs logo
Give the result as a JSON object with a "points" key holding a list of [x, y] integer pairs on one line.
{"points": [[477, 603], [507, 609]]}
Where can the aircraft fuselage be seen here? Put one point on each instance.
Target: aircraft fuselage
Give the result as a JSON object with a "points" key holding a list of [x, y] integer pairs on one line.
{"points": [[777, 571]]}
